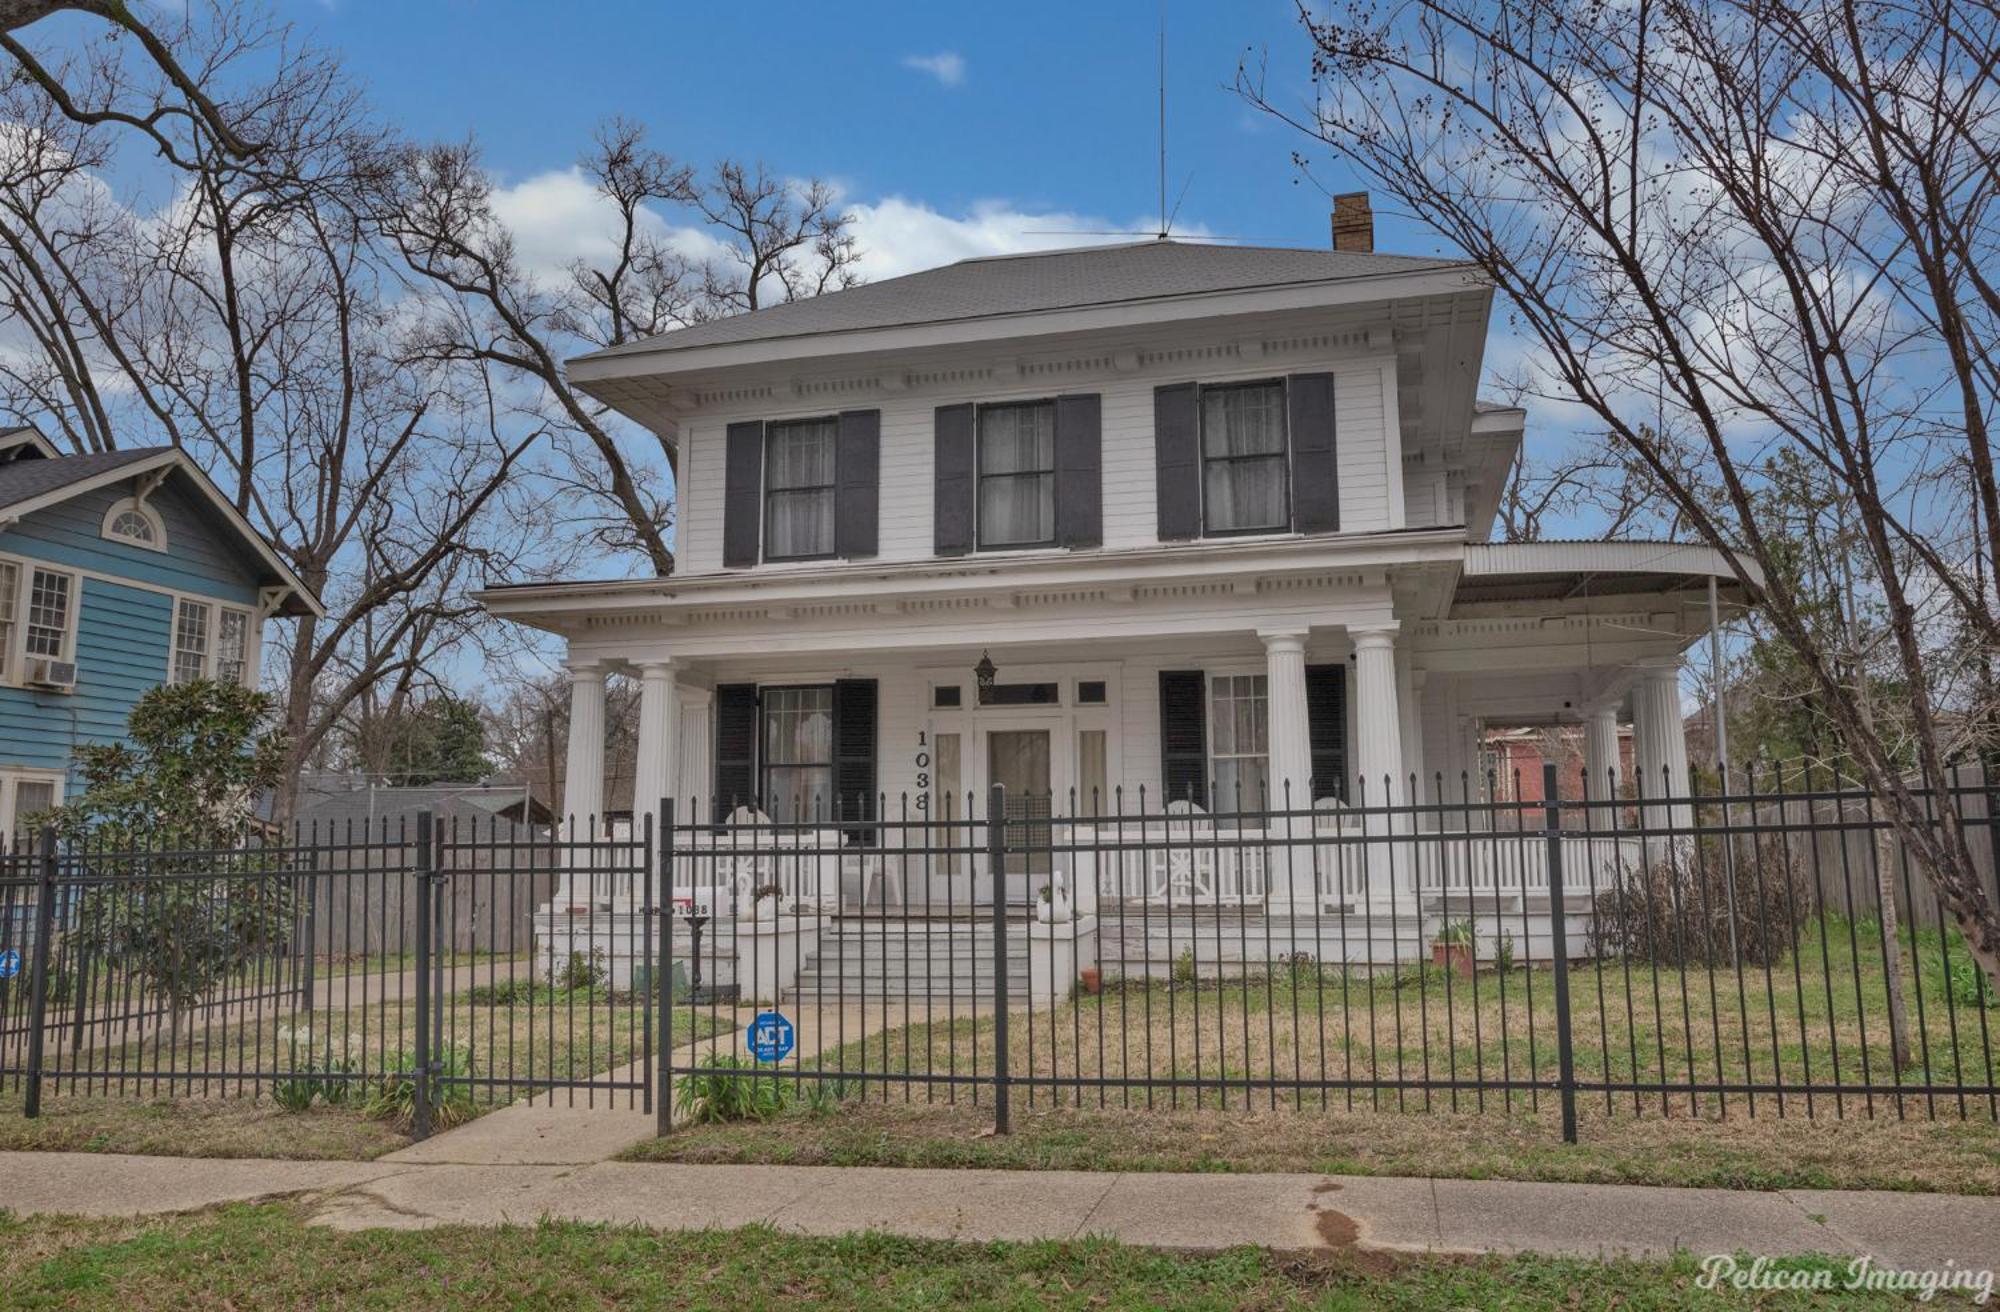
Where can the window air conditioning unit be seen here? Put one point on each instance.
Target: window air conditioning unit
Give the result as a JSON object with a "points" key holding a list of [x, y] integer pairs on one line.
{"points": [[48, 672]]}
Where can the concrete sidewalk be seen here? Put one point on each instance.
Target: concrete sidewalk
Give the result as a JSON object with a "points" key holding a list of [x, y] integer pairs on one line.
{"points": [[1158, 1210]]}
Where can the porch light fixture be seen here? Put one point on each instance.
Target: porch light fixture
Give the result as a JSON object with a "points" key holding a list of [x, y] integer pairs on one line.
{"points": [[985, 672]]}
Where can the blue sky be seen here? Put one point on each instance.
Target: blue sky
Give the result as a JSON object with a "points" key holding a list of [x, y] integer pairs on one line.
{"points": [[1015, 117]]}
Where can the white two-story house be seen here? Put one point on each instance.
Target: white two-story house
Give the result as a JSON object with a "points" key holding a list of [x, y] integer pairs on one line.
{"points": [[1115, 527]]}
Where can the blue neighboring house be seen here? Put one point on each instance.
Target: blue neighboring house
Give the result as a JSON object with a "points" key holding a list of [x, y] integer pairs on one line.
{"points": [[119, 571]]}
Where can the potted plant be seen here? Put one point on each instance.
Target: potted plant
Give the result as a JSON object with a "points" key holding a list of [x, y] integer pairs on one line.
{"points": [[1045, 905], [1091, 980], [1452, 948]]}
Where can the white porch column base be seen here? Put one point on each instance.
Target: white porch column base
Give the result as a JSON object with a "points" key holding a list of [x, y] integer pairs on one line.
{"points": [[583, 780], [659, 741], [1660, 744], [1057, 951], [1290, 741]]}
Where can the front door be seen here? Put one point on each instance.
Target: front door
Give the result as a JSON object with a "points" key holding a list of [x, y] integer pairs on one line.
{"points": [[1018, 760]]}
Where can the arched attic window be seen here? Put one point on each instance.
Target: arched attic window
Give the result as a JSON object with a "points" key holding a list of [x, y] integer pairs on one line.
{"points": [[133, 521]]}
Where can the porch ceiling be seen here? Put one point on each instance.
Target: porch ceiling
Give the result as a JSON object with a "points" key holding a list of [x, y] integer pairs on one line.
{"points": [[1571, 574]]}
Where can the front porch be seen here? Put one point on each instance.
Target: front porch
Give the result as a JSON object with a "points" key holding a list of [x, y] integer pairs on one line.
{"points": [[1288, 732]]}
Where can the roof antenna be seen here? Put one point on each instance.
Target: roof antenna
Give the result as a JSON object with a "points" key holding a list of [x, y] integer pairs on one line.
{"points": [[1163, 121]]}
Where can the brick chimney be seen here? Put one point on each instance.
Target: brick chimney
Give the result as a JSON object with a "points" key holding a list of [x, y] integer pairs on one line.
{"points": [[1353, 223]]}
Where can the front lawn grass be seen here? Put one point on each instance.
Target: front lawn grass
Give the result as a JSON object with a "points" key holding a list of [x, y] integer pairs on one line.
{"points": [[264, 1257], [1738, 1153], [1779, 1033]]}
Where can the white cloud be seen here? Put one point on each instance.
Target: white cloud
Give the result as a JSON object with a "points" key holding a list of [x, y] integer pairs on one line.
{"points": [[898, 235], [558, 217], [947, 66]]}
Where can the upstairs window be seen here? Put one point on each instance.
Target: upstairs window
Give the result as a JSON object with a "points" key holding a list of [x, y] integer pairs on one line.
{"points": [[137, 523], [1017, 475], [1243, 459], [190, 641], [799, 489], [210, 642], [10, 611], [51, 608]]}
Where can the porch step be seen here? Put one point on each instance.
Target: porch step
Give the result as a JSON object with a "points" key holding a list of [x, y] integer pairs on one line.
{"points": [[881, 960]]}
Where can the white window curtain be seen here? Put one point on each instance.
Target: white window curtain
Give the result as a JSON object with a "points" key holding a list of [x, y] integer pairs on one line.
{"points": [[1239, 738], [1244, 484], [799, 489], [1017, 479], [798, 753]]}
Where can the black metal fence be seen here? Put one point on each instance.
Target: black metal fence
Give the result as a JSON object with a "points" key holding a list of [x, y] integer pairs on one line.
{"points": [[1748, 951], [1770, 950], [413, 970]]}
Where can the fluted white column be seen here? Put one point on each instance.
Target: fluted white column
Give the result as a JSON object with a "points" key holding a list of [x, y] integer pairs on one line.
{"points": [[1290, 736], [654, 776], [1290, 743], [583, 779], [1601, 763], [1659, 745], [1378, 721]]}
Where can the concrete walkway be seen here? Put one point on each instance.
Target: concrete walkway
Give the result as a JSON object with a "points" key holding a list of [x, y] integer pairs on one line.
{"points": [[1159, 1210], [574, 1127]]}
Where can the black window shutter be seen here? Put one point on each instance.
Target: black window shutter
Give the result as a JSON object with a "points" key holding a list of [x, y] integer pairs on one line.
{"points": [[1326, 729], [1079, 471], [956, 487], [743, 495], [1184, 736], [859, 466], [735, 747], [1177, 462], [1315, 479], [854, 703]]}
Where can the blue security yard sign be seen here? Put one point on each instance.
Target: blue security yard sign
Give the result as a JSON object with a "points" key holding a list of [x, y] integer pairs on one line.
{"points": [[10, 964], [771, 1037]]}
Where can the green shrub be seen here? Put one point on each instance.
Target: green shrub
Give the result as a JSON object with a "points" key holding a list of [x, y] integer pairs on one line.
{"points": [[1503, 952], [580, 974], [1184, 972], [714, 1093]]}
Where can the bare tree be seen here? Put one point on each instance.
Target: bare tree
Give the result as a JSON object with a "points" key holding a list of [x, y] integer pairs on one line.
{"points": [[1729, 228], [778, 240], [181, 85], [256, 320]]}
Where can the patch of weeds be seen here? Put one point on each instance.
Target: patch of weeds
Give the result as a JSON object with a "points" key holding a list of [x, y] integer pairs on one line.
{"points": [[394, 1097], [714, 1093]]}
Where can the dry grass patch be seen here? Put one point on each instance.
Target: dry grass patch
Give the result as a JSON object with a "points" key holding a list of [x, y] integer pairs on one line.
{"points": [[192, 1127], [1735, 1153]]}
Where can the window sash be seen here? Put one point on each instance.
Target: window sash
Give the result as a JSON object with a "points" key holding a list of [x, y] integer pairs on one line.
{"points": [[1246, 464], [797, 757], [232, 645], [1239, 741], [133, 526], [800, 463], [51, 607], [191, 646], [1017, 467], [10, 586]]}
